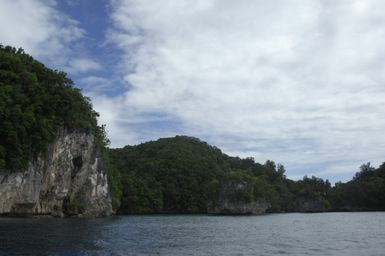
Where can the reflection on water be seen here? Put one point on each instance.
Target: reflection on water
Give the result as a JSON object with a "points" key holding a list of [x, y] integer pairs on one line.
{"points": [[275, 234]]}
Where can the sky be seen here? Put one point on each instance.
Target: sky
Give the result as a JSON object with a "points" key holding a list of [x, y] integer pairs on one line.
{"points": [[296, 81]]}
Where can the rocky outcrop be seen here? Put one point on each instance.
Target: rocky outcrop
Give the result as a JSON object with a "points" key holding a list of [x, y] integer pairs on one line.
{"points": [[233, 207], [236, 197], [69, 179], [311, 205]]}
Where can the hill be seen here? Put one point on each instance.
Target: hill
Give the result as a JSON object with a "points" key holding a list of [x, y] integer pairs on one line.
{"points": [[35, 102], [51, 148], [365, 192], [185, 175]]}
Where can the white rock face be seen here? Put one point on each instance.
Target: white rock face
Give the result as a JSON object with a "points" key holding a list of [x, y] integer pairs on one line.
{"points": [[69, 179], [229, 203], [232, 207]]}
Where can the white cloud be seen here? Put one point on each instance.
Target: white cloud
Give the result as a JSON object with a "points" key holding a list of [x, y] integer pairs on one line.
{"points": [[110, 111], [37, 27], [73, 2], [93, 80], [300, 82], [127, 124], [82, 65], [102, 87]]}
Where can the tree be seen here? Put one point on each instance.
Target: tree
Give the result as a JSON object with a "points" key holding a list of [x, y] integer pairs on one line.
{"points": [[281, 170], [35, 103], [365, 171], [270, 165]]}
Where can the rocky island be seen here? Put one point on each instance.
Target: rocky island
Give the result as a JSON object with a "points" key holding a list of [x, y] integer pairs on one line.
{"points": [[54, 160], [50, 144]]}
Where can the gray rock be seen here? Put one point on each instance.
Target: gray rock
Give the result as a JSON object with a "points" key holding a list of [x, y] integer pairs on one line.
{"points": [[69, 179], [236, 197], [234, 207], [311, 205]]}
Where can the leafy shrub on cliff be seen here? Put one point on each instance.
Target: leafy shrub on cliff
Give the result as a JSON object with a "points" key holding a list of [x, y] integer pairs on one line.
{"points": [[238, 186], [74, 208], [35, 102]]}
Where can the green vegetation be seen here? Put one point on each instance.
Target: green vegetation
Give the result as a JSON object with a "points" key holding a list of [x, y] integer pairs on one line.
{"points": [[167, 175], [35, 102], [74, 208], [183, 174], [114, 179], [365, 192]]}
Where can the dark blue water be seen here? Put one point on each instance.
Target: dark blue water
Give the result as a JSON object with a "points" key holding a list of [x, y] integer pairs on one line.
{"points": [[275, 234]]}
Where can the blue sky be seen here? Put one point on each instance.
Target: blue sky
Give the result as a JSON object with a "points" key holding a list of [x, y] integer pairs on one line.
{"points": [[296, 81]]}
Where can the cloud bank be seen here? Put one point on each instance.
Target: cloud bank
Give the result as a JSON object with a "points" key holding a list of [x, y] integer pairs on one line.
{"points": [[81, 65], [300, 82], [39, 28]]}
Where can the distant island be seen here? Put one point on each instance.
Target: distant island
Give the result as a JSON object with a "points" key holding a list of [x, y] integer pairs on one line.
{"points": [[186, 175], [55, 160]]}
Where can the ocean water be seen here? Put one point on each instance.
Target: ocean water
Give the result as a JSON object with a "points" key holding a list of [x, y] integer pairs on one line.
{"points": [[271, 234]]}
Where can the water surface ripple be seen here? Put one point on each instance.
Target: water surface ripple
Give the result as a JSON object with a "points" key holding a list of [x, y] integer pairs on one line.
{"points": [[272, 234]]}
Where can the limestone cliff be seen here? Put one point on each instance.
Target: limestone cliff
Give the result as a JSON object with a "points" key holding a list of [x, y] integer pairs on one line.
{"points": [[311, 205], [234, 207], [69, 179], [236, 197]]}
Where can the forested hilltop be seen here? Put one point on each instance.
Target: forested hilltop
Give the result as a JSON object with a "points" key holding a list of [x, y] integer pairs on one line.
{"points": [[185, 175], [53, 157], [35, 102]]}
